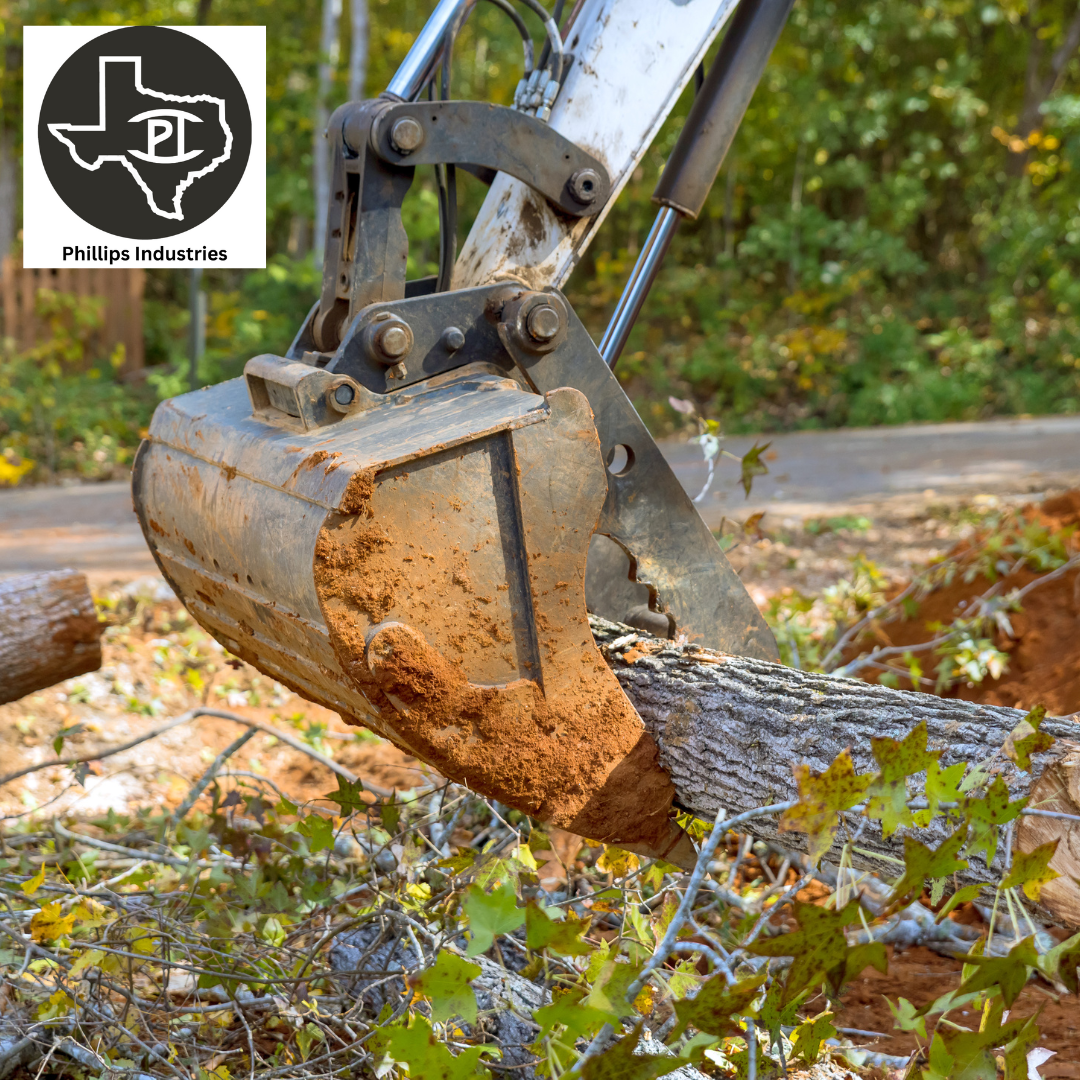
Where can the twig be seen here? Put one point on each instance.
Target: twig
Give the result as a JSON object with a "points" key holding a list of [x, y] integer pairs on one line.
{"points": [[201, 784]]}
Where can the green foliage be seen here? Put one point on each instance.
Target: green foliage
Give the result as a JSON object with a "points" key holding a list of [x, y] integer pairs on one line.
{"points": [[446, 986], [490, 914], [415, 1043]]}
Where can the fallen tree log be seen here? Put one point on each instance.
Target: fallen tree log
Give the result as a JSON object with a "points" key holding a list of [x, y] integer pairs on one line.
{"points": [[49, 631], [730, 731]]}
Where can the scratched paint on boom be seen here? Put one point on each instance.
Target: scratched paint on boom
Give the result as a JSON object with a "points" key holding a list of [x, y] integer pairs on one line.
{"points": [[149, 149]]}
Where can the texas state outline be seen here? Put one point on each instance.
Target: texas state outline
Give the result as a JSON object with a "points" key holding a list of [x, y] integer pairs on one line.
{"points": [[176, 214]]}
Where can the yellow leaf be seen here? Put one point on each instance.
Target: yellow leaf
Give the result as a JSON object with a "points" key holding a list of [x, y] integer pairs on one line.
{"points": [[59, 1004], [617, 861], [89, 959], [30, 887], [50, 923]]}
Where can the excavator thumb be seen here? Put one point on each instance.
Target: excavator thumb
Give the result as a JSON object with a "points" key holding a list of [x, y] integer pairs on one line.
{"points": [[406, 516]]}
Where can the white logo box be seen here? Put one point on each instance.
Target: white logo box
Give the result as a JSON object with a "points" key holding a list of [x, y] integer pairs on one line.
{"points": [[54, 235]]}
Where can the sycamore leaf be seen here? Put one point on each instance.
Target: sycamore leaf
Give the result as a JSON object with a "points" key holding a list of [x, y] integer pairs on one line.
{"points": [[51, 923], [774, 1014], [1062, 963], [89, 958], [984, 816], [860, 957], [807, 1038], [1010, 973], [1031, 870], [619, 1062], [563, 938], [752, 466], [456, 863], [319, 831], [31, 885], [610, 986], [446, 985], [905, 1017], [390, 816], [574, 1020], [921, 863], [819, 947], [716, 1006], [961, 896], [1015, 1054], [1026, 739], [970, 1052], [347, 796], [491, 914], [942, 786], [427, 1057], [616, 861], [821, 798], [897, 760]]}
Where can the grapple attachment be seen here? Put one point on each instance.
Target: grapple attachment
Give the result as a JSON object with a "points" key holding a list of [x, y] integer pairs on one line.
{"points": [[405, 518]]}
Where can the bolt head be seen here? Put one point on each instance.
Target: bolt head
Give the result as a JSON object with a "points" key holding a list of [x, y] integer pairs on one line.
{"points": [[543, 323], [393, 341], [344, 394], [453, 339], [585, 185], [406, 134]]}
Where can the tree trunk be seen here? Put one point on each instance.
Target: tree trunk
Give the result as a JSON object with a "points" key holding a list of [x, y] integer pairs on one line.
{"points": [[8, 188], [49, 632], [358, 48], [328, 56], [730, 730]]}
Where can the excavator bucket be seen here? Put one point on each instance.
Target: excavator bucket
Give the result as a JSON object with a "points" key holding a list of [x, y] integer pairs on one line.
{"points": [[407, 517]]}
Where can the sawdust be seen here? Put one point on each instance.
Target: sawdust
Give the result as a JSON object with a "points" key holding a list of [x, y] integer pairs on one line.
{"points": [[1044, 646], [578, 758]]}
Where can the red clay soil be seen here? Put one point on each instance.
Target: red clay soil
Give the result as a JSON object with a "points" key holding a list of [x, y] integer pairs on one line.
{"points": [[1044, 648]]}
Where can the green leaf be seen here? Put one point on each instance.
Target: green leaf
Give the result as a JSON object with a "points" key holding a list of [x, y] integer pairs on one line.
{"points": [[446, 985], [821, 798], [574, 1020], [961, 896], [415, 1045], [752, 466], [1062, 963], [921, 863], [347, 796], [985, 816], [773, 1015], [716, 1006], [905, 1017], [1010, 973], [860, 957], [563, 938], [390, 816], [319, 831], [807, 1038], [897, 760], [610, 985], [1031, 870], [491, 914], [1026, 739], [619, 1062], [966, 1055], [1015, 1053], [942, 786], [819, 947]]}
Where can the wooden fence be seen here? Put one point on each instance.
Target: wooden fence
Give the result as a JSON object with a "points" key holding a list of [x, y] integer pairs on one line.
{"points": [[121, 289]]}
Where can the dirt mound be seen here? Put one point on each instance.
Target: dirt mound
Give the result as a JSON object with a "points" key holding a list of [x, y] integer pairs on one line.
{"points": [[1044, 644]]}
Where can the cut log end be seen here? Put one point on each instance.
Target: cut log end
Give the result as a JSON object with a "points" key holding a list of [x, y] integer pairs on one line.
{"points": [[49, 631], [1057, 789]]}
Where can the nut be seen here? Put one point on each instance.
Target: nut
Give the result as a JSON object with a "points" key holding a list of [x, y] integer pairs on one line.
{"points": [[584, 186], [393, 341], [407, 134], [543, 323]]}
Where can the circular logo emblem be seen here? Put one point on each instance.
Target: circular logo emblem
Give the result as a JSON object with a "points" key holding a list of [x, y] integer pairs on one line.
{"points": [[145, 132]]}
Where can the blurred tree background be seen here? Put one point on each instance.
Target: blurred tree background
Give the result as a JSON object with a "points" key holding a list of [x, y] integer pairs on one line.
{"points": [[893, 238]]}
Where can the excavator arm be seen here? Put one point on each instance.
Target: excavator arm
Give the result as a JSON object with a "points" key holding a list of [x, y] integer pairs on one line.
{"points": [[407, 517]]}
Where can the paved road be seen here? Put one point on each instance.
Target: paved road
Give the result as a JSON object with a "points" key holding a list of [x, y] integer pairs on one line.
{"points": [[93, 527]]}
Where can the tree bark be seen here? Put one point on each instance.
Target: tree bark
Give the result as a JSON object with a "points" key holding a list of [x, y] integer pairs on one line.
{"points": [[328, 56], [730, 731], [49, 632], [358, 48]]}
